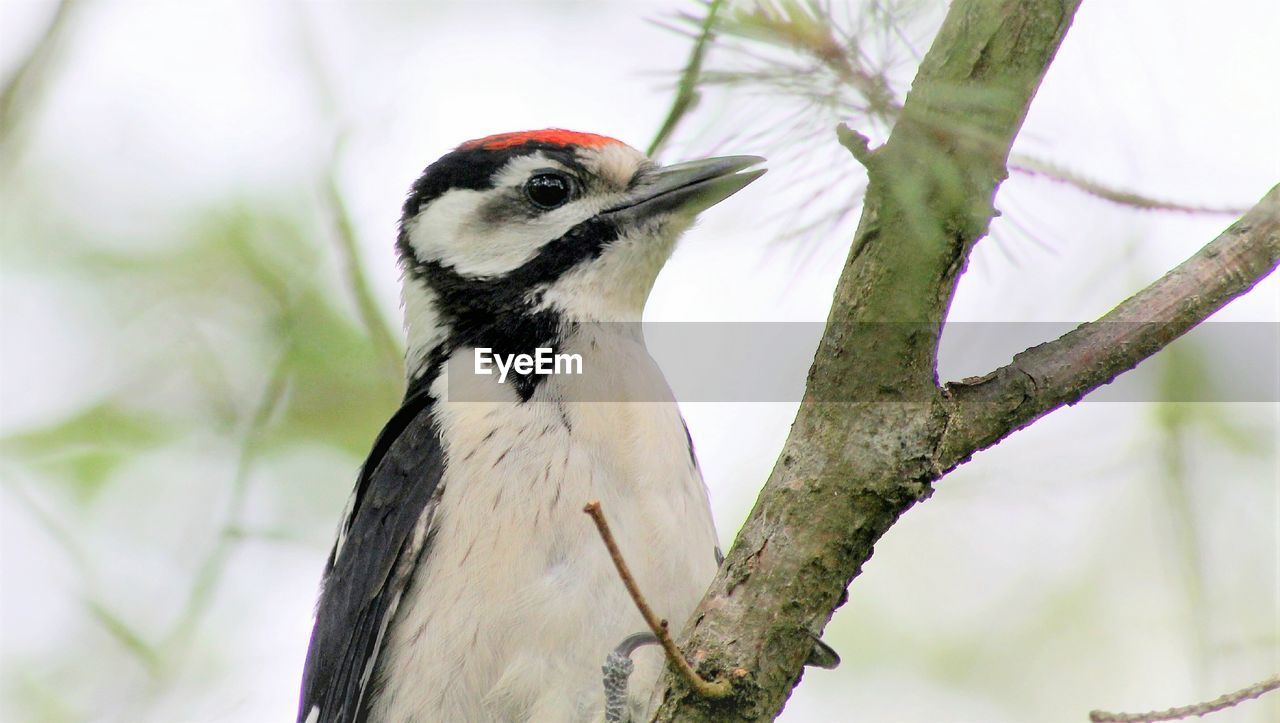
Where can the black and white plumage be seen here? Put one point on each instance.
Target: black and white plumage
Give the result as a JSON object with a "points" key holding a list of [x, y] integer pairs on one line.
{"points": [[466, 584]]}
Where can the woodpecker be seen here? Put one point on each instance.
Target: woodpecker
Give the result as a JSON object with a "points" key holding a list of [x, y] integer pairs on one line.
{"points": [[466, 584]]}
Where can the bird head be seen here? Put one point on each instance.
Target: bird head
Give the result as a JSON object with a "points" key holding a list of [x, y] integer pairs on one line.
{"points": [[506, 238]]}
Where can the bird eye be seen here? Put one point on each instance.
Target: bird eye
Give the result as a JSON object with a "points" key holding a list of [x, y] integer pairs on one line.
{"points": [[548, 190]]}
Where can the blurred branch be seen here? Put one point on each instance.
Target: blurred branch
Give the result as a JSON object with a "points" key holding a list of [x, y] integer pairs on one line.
{"points": [[213, 567], [810, 29], [113, 624], [984, 410], [56, 531], [1199, 709], [375, 324], [129, 638], [22, 91], [1044, 169], [687, 88], [366, 305], [1175, 422], [825, 59], [839, 69]]}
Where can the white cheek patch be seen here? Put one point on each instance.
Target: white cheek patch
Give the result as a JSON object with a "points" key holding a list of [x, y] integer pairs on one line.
{"points": [[450, 231], [454, 230]]}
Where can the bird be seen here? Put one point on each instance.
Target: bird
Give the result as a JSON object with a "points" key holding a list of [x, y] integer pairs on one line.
{"points": [[466, 584]]}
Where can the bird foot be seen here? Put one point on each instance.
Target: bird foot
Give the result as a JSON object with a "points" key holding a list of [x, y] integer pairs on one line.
{"points": [[617, 672]]}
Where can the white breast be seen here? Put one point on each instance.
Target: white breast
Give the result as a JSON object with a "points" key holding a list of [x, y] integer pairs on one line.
{"points": [[516, 603]]}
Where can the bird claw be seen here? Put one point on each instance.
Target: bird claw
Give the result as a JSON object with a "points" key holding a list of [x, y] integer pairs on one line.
{"points": [[617, 672]]}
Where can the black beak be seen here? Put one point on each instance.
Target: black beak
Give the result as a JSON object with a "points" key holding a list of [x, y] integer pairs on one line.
{"points": [[688, 188]]}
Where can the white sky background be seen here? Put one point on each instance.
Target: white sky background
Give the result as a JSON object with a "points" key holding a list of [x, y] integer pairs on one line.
{"points": [[166, 105]]}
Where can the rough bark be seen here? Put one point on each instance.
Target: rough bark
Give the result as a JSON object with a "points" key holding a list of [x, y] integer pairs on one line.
{"points": [[875, 429]]}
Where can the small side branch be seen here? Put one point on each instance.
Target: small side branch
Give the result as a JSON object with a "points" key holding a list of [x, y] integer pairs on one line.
{"points": [[1043, 378], [703, 687], [856, 143], [1199, 709]]}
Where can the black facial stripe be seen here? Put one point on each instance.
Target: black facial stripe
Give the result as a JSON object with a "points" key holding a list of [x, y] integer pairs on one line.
{"points": [[502, 294], [496, 312], [473, 169], [507, 208]]}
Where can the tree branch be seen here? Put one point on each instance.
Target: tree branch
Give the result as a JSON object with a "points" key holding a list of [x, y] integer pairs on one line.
{"points": [[875, 430], [1199, 709], [848, 470], [989, 408]]}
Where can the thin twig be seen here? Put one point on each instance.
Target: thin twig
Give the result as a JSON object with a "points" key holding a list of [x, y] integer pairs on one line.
{"points": [[127, 637], [703, 687], [1216, 705], [1044, 169], [687, 89]]}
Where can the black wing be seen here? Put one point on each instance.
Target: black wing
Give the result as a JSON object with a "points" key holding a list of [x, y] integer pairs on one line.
{"points": [[381, 541]]}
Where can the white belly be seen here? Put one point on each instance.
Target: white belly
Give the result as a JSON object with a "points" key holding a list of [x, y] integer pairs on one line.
{"points": [[516, 603]]}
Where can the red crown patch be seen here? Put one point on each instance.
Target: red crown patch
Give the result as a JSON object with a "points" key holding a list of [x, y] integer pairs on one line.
{"points": [[549, 136]]}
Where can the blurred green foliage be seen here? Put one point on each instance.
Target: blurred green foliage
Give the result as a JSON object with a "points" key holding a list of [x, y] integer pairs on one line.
{"points": [[84, 449], [234, 333]]}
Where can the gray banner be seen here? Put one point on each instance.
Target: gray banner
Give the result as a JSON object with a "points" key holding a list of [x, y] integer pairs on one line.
{"points": [[768, 362]]}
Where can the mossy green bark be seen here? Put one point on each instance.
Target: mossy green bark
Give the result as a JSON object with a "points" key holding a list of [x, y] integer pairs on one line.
{"points": [[861, 450]]}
